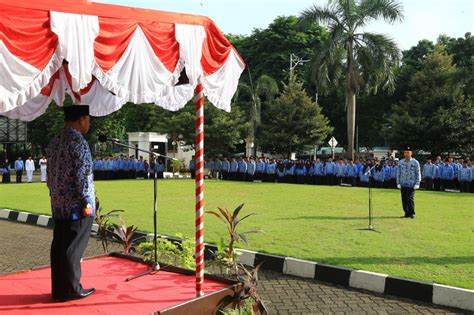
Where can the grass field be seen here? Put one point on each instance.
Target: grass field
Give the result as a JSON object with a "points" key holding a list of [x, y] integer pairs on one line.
{"points": [[317, 223]]}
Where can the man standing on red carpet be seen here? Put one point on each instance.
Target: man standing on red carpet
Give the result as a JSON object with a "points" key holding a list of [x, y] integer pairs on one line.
{"points": [[71, 185]]}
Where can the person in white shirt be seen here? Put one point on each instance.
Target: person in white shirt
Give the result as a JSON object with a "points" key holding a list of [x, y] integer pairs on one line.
{"points": [[30, 168], [43, 164]]}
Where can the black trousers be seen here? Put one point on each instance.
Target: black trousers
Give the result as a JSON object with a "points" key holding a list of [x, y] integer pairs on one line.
{"points": [[464, 186], [18, 176], [408, 201], [69, 242], [429, 183]]}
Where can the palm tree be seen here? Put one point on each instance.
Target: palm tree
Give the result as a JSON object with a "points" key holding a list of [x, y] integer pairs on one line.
{"points": [[250, 97], [364, 60]]}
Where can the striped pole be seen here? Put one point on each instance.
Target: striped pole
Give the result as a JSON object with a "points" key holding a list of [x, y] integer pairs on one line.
{"points": [[199, 189]]}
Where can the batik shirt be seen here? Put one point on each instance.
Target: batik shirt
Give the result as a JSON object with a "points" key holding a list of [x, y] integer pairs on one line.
{"points": [[408, 173], [70, 177]]}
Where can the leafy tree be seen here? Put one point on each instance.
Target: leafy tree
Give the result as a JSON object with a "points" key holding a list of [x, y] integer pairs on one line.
{"points": [[365, 60], [436, 116], [293, 122]]}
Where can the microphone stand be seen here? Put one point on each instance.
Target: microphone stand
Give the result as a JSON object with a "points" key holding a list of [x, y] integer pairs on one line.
{"points": [[370, 227], [155, 266]]}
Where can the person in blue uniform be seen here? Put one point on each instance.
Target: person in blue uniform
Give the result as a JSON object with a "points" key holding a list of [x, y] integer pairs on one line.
{"points": [[242, 170], [428, 174], [351, 173], [270, 171], [6, 172], [234, 168], [318, 172], [280, 172], [260, 170], [330, 172], [340, 170], [300, 172], [71, 185], [378, 174], [290, 172], [364, 175], [464, 177], [19, 168], [408, 180], [160, 168], [446, 174], [225, 168], [192, 167], [251, 167]]}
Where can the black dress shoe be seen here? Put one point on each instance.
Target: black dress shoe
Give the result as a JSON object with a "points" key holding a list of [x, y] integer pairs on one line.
{"points": [[77, 296]]}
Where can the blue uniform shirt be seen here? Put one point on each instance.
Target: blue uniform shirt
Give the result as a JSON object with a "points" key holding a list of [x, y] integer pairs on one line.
{"points": [[429, 170], [234, 166], [464, 174], [251, 167], [19, 165], [409, 173], [70, 177], [446, 172]]}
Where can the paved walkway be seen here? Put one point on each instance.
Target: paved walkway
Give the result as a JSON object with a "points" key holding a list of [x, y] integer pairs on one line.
{"points": [[23, 246]]}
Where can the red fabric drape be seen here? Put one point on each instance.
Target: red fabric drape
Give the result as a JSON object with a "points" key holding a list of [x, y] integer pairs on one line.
{"points": [[115, 35], [27, 35], [215, 50]]}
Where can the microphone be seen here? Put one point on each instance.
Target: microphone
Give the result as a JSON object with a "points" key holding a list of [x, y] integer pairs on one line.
{"points": [[104, 138]]}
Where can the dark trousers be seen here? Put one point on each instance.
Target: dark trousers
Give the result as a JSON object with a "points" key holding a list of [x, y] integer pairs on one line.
{"points": [[464, 186], [408, 201], [437, 184], [6, 178], [69, 242], [351, 180], [428, 183], [18, 176]]}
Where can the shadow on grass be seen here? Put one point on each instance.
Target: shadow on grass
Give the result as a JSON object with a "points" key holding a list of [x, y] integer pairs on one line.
{"points": [[342, 218], [397, 260]]}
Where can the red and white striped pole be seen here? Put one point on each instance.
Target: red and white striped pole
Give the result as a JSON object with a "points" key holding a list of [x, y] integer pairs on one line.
{"points": [[199, 254]]}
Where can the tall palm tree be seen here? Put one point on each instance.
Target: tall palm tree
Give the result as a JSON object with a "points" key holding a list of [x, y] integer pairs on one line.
{"points": [[364, 60], [250, 97]]}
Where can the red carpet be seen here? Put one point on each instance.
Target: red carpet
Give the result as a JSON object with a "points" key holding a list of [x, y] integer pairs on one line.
{"points": [[29, 292]]}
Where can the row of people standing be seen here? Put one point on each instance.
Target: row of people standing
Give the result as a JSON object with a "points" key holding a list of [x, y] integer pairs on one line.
{"points": [[450, 174], [111, 168], [359, 172], [20, 166]]}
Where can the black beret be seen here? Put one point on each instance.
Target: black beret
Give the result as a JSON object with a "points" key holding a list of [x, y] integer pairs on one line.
{"points": [[74, 112]]}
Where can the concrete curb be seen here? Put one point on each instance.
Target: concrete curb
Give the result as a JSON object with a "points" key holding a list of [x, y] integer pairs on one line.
{"points": [[359, 279]]}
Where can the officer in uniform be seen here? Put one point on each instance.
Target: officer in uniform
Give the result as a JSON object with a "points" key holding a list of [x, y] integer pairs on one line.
{"points": [[71, 185], [234, 167], [428, 174], [464, 177], [408, 180]]}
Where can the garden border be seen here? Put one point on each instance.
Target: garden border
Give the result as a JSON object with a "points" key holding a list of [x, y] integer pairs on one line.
{"points": [[359, 279]]}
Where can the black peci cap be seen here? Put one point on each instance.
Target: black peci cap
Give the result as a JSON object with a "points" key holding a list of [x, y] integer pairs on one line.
{"points": [[74, 112], [407, 148]]}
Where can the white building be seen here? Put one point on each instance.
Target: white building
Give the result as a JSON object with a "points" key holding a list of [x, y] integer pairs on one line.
{"points": [[152, 141]]}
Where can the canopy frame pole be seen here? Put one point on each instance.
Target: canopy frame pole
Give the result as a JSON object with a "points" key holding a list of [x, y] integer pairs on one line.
{"points": [[199, 155]]}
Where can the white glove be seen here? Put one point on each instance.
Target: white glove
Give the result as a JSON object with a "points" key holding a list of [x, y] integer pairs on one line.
{"points": [[417, 187], [399, 186]]}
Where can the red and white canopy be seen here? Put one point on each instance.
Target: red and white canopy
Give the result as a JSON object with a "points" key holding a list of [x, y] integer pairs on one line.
{"points": [[106, 55]]}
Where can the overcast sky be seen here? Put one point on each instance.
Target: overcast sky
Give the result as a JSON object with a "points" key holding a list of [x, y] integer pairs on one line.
{"points": [[424, 19]]}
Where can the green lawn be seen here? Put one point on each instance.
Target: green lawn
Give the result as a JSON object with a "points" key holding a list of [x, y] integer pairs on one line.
{"points": [[310, 222]]}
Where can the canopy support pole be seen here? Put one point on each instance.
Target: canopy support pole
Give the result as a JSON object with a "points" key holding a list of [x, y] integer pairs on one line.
{"points": [[199, 155]]}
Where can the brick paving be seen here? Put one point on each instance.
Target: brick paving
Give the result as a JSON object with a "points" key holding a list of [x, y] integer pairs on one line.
{"points": [[23, 246]]}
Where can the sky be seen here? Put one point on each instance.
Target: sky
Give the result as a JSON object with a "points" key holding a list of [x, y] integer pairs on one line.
{"points": [[423, 19]]}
